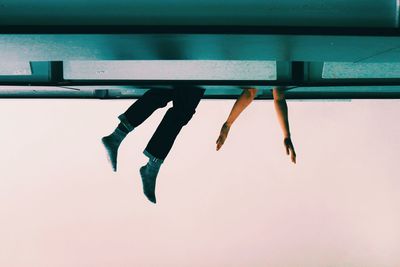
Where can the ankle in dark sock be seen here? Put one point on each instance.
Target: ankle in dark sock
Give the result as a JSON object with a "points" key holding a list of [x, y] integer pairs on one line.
{"points": [[112, 143], [123, 128], [149, 174]]}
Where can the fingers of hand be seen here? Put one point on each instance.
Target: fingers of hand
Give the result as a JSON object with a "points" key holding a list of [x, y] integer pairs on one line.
{"points": [[220, 142], [293, 154]]}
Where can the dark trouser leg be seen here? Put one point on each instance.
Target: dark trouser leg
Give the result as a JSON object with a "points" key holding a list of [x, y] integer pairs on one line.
{"points": [[139, 111], [134, 116], [185, 101]]}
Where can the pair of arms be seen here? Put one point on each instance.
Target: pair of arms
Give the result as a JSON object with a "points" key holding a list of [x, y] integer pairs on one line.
{"points": [[244, 100]]}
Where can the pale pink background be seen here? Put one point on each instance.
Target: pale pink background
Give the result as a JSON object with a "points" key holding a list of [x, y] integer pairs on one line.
{"points": [[247, 205]]}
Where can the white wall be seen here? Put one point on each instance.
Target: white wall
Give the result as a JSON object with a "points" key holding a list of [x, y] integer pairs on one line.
{"points": [[247, 205]]}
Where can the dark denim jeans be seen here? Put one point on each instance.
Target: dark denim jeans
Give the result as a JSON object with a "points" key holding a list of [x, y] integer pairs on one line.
{"points": [[185, 100]]}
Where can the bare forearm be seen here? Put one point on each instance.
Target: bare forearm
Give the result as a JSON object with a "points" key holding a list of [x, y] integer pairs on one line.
{"points": [[241, 103], [281, 111]]}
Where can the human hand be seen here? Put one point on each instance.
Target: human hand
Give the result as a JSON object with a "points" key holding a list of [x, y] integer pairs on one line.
{"points": [[222, 135], [290, 149]]}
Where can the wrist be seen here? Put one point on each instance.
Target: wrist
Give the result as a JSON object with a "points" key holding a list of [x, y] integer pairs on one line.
{"points": [[227, 124]]}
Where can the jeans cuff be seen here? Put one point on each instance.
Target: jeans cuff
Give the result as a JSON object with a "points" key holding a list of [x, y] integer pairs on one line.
{"points": [[125, 122], [152, 158]]}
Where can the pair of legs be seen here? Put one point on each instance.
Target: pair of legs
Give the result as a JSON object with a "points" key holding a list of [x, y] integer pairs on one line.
{"points": [[185, 100]]}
